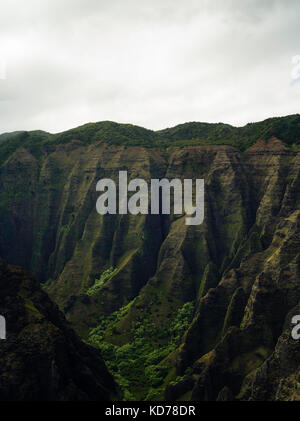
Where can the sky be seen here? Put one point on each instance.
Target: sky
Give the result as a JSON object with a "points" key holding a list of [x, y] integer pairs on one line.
{"points": [[154, 63]]}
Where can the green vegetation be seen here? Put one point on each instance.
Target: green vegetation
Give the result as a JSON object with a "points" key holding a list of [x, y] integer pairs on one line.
{"points": [[286, 129], [139, 366], [6, 136], [106, 275], [242, 261], [32, 141]]}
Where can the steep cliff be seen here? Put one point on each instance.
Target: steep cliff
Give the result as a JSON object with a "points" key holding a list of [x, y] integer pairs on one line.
{"points": [[180, 311], [42, 358]]}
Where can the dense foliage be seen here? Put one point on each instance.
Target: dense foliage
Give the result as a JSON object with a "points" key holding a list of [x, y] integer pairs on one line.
{"points": [[140, 366], [286, 129], [106, 275]]}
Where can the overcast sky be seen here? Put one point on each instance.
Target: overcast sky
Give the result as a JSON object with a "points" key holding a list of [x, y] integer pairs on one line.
{"points": [[155, 63]]}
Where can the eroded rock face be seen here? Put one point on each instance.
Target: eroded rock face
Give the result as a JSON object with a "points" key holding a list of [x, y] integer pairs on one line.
{"points": [[242, 328], [278, 378], [241, 266], [42, 358]]}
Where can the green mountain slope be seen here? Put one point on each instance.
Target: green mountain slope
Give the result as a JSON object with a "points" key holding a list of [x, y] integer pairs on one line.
{"points": [[179, 311], [5, 136], [38, 142]]}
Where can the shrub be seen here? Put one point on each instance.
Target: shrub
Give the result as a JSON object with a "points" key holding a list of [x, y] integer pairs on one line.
{"points": [[106, 275]]}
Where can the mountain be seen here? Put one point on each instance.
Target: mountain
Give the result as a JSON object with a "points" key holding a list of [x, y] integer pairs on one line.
{"points": [[42, 358], [5, 136], [182, 312]]}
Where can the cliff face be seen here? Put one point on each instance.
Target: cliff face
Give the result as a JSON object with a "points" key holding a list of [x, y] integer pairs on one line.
{"points": [[42, 358], [206, 308]]}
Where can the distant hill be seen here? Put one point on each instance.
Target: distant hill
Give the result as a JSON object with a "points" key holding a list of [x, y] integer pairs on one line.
{"points": [[287, 129], [5, 136]]}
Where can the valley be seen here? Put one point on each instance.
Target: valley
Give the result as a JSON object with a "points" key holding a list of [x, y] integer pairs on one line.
{"points": [[177, 311]]}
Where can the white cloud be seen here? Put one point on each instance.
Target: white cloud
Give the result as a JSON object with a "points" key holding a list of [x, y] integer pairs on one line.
{"points": [[2, 68], [155, 64], [296, 68]]}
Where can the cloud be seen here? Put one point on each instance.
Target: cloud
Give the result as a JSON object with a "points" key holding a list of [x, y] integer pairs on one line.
{"points": [[155, 64], [296, 68], [2, 69]]}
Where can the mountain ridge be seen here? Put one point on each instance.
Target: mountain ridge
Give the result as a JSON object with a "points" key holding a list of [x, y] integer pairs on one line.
{"points": [[187, 134], [167, 305]]}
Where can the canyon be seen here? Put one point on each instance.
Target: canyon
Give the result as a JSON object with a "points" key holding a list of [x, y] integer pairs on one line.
{"points": [[178, 312]]}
